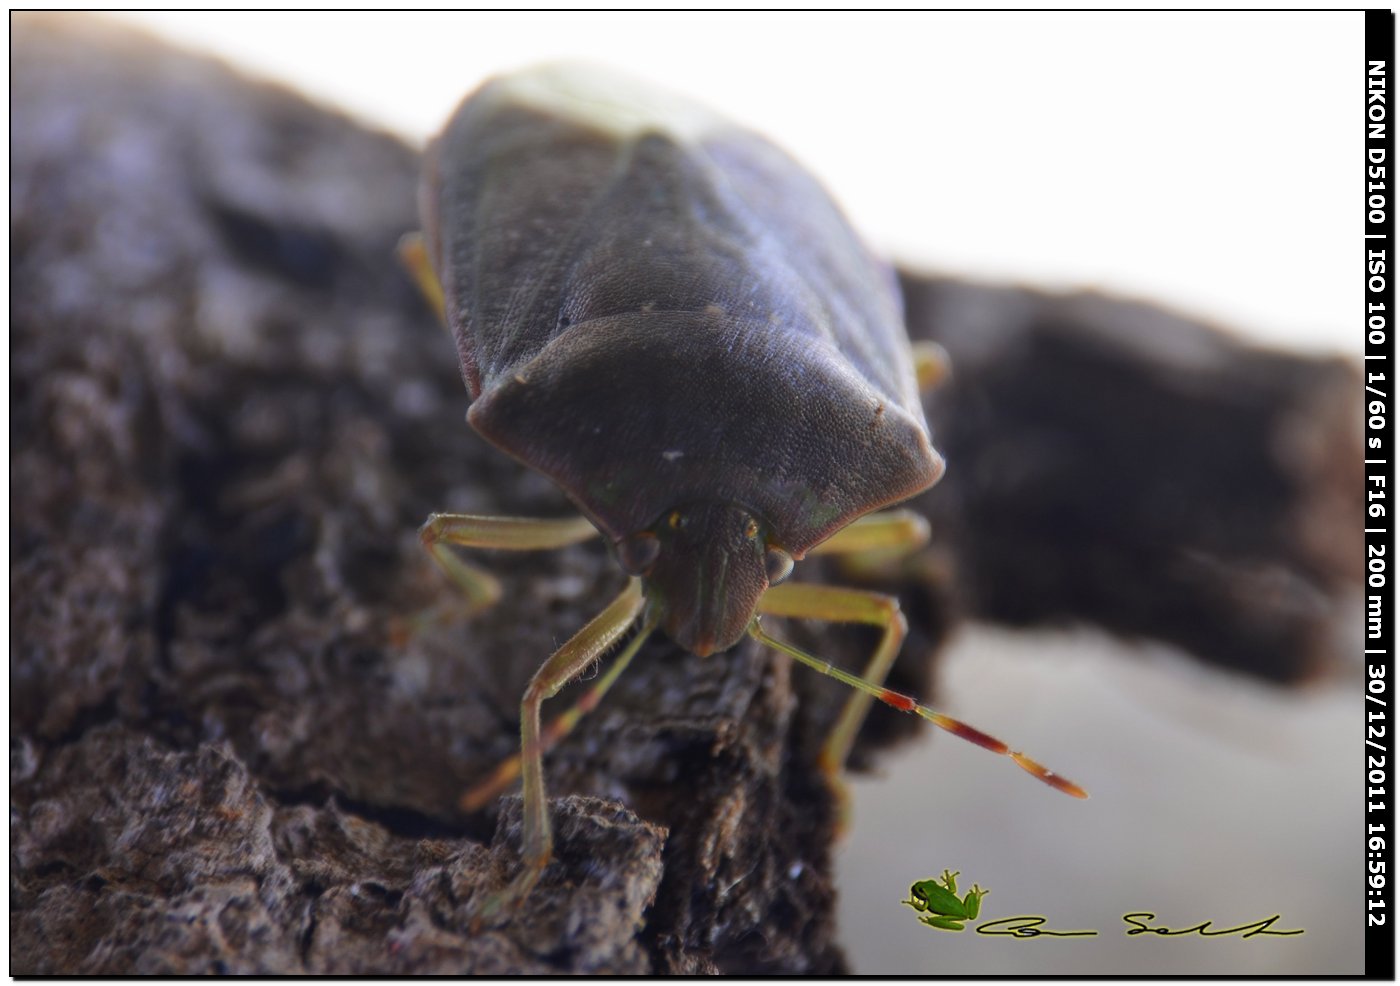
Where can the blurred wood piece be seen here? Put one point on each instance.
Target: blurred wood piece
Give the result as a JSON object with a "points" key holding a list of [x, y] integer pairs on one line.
{"points": [[1112, 463]]}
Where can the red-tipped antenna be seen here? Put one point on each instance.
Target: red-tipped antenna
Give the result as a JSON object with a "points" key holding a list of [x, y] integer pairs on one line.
{"points": [[906, 704]]}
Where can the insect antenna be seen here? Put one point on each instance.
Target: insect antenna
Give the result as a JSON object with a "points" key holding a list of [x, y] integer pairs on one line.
{"points": [[906, 704]]}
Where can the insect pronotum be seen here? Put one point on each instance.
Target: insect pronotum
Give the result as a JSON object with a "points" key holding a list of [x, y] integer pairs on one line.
{"points": [[667, 316]]}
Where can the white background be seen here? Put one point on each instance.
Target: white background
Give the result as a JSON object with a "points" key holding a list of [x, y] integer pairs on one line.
{"points": [[1207, 161]]}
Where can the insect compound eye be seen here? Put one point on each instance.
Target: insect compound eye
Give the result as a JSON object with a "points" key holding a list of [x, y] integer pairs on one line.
{"points": [[675, 520], [638, 552], [778, 563]]}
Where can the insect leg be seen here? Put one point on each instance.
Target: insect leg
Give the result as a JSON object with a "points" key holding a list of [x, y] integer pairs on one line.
{"points": [[509, 769], [839, 605], [581, 650], [885, 547], [889, 531], [506, 533], [413, 254], [932, 367]]}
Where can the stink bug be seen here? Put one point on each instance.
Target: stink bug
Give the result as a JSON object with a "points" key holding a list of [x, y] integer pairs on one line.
{"points": [[668, 317]]}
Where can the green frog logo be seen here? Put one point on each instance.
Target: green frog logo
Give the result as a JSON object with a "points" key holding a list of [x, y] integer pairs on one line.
{"points": [[940, 907]]}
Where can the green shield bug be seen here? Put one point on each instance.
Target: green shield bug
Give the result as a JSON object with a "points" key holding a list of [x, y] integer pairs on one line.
{"points": [[669, 318]]}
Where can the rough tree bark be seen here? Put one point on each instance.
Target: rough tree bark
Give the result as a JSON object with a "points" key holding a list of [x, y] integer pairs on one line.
{"points": [[229, 414]]}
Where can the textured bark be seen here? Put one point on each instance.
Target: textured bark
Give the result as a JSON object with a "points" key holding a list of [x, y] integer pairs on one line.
{"points": [[229, 414]]}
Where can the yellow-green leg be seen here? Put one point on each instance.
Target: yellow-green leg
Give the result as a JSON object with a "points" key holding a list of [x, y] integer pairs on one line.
{"points": [[413, 254], [562, 667], [563, 724], [838, 605], [889, 531], [931, 365], [873, 539], [503, 533]]}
